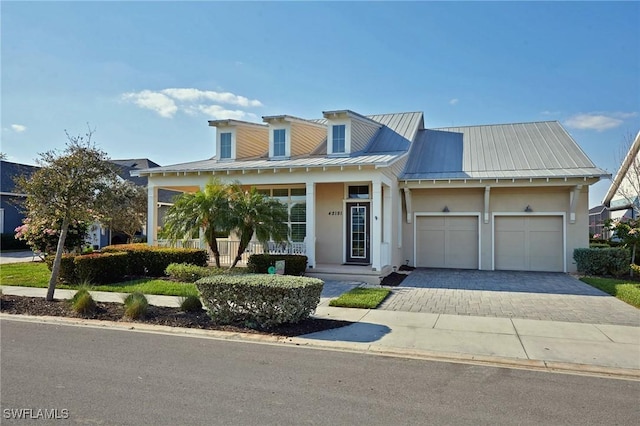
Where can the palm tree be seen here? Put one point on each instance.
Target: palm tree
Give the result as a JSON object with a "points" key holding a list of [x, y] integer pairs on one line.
{"points": [[208, 209], [253, 212]]}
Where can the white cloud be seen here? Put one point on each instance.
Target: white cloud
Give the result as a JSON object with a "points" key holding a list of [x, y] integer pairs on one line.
{"points": [[18, 128], [219, 113], [193, 101], [598, 121], [547, 112], [162, 104], [453, 101]]}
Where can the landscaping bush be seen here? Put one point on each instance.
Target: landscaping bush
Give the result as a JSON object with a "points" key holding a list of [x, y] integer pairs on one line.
{"points": [[602, 261], [293, 264], [186, 272], [67, 268], [9, 242], [259, 301], [191, 304], [82, 303], [100, 268], [135, 305], [153, 261]]}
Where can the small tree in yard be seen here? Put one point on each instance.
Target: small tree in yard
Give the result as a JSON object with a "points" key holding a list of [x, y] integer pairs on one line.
{"points": [[207, 210], [628, 231], [255, 213], [68, 187], [126, 207]]}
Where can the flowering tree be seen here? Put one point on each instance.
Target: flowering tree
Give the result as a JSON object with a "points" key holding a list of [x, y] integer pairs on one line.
{"points": [[67, 189], [628, 231], [43, 237]]}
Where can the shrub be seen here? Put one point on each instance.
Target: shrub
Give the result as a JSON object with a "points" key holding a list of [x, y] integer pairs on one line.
{"points": [[153, 261], [135, 305], [100, 268], [82, 303], [293, 264], [259, 301], [187, 272], [191, 304], [602, 261], [67, 268]]}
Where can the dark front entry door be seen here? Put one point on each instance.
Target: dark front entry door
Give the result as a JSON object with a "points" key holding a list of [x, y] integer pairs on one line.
{"points": [[358, 229]]}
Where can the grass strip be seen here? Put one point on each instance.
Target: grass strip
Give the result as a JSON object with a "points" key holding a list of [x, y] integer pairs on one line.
{"points": [[624, 290], [361, 297], [36, 274]]}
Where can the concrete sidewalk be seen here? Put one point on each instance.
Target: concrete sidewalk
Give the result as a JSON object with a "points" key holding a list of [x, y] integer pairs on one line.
{"points": [[599, 348]]}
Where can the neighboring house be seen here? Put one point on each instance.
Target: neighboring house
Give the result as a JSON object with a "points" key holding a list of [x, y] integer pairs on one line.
{"points": [[11, 214], [597, 217], [383, 191], [623, 196]]}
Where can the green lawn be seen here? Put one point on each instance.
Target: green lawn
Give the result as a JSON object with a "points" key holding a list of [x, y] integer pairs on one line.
{"points": [[627, 291], [30, 274], [364, 298]]}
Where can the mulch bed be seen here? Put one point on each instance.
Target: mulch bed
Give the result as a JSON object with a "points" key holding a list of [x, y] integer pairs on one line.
{"points": [[156, 315]]}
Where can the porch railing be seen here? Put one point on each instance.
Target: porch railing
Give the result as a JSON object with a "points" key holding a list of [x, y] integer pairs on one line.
{"points": [[228, 248]]}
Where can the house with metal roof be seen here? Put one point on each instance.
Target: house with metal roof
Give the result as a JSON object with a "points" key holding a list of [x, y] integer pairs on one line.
{"points": [[623, 196], [367, 194]]}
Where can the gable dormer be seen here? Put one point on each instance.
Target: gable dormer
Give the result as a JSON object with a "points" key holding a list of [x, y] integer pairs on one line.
{"points": [[237, 139], [292, 136], [348, 132]]}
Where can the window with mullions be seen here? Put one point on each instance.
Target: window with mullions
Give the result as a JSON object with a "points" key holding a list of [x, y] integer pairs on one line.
{"points": [[225, 145], [338, 139], [296, 201], [359, 191], [279, 141]]}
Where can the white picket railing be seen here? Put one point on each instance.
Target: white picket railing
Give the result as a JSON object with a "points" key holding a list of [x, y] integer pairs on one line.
{"points": [[229, 248]]}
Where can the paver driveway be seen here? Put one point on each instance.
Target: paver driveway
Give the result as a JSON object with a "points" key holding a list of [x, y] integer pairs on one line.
{"points": [[531, 295]]}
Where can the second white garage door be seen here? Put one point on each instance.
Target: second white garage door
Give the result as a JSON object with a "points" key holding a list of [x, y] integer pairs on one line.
{"points": [[529, 243], [447, 242]]}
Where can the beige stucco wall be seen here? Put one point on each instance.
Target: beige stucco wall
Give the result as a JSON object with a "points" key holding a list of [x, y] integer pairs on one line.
{"points": [[503, 200], [329, 227]]}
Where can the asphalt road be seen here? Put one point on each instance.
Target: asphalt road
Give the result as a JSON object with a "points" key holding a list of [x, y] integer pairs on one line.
{"points": [[113, 377]]}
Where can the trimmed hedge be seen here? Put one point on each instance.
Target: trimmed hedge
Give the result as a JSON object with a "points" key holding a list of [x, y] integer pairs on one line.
{"points": [[97, 268], [153, 261], [259, 301], [602, 261], [293, 264], [186, 272]]}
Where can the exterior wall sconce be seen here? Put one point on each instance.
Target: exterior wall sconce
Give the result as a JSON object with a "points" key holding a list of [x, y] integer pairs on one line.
{"points": [[446, 209], [528, 209]]}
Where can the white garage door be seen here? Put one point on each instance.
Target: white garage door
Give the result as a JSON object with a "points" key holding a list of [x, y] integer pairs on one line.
{"points": [[529, 243], [447, 242]]}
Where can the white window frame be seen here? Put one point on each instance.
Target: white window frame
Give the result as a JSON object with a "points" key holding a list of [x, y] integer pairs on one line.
{"points": [[287, 142], [219, 140], [230, 145], [347, 137]]}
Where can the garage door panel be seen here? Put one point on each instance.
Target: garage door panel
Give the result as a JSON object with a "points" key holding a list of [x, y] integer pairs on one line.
{"points": [[529, 243], [447, 242]]}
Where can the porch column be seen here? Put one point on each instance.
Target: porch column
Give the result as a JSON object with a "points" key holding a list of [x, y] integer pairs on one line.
{"points": [[152, 214], [310, 239], [376, 224], [387, 223]]}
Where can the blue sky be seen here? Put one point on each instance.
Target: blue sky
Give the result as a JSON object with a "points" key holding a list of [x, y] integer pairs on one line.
{"points": [[148, 75]]}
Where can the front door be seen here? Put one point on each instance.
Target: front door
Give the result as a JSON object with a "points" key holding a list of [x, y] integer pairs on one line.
{"points": [[358, 229]]}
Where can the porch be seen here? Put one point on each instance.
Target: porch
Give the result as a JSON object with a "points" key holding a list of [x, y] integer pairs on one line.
{"points": [[325, 271]]}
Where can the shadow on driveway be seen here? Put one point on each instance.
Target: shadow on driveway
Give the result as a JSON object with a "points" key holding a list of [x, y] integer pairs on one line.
{"points": [[508, 281], [360, 332]]}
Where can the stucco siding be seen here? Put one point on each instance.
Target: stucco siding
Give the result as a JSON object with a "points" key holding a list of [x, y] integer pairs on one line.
{"points": [[329, 225]]}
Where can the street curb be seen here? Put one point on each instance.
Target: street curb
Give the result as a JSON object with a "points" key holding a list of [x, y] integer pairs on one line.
{"points": [[462, 358]]}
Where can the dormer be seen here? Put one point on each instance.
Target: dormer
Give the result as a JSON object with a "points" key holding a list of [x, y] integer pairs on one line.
{"points": [[348, 132], [292, 136], [237, 139]]}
